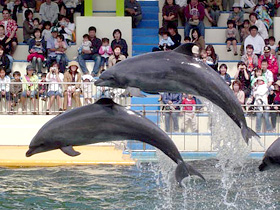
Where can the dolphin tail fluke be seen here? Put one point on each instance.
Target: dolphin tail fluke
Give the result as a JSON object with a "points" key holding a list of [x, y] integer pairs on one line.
{"points": [[248, 133], [184, 170]]}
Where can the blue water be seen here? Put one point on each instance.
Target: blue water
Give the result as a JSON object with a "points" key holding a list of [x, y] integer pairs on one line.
{"points": [[137, 187]]}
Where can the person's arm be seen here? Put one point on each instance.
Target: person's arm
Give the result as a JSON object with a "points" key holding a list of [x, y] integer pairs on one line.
{"points": [[124, 48], [110, 61], [27, 28], [101, 51], [246, 75], [42, 12], [242, 97], [79, 79], [165, 99], [236, 74]]}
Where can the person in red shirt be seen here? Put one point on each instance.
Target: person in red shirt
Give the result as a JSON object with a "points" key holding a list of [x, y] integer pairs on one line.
{"points": [[271, 61], [189, 113]]}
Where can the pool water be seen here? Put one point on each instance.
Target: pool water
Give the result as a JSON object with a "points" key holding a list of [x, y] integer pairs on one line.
{"points": [[144, 186]]}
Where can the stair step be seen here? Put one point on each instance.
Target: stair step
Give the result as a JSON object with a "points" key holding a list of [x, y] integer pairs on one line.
{"points": [[145, 32], [150, 16], [143, 48], [148, 3], [145, 39], [148, 24], [149, 9]]}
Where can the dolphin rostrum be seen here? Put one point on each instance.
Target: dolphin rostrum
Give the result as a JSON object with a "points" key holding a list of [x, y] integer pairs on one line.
{"points": [[176, 71], [101, 122], [271, 156]]}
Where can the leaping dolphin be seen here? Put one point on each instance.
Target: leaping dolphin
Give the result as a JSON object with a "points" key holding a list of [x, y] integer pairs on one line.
{"points": [[101, 122], [176, 71], [271, 156]]}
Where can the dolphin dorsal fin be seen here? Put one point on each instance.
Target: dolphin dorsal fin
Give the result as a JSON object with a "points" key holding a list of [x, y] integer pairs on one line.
{"points": [[185, 49], [105, 101]]}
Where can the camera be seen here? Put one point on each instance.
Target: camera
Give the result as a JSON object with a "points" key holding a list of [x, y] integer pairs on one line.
{"points": [[52, 69]]}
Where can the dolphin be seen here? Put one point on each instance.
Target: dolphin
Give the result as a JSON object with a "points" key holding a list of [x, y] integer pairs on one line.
{"points": [[101, 122], [176, 71], [271, 156]]}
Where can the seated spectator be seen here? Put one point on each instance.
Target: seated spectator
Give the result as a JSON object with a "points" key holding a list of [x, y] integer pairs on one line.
{"points": [[29, 88], [203, 57], [72, 90], [170, 12], [70, 8], [187, 39], [60, 52], [118, 40], [272, 45], [271, 60], [215, 8], [223, 73], [256, 74], [66, 28], [165, 42], [188, 113], [195, 13], [54, 89], [105, 51], [262, 30], [212, 57], [237, 15], [4, 61], [197, 39], [261, 101], [10, 29], [238, 92], [171, 100], [37, 50], [49, 12], [46, 33], [5, 86], [244, 32], [116, 57], [43, 87], [274, 99], [133, 8], [250, 59], [267, 73], [91, 54], [255, 40], [262, 14], [231, 34], [227, 4], [28, 26], [85, 45], [16, 89], [173, 33], [87, 88], [243, 75], [36, 23], [247, 5]]}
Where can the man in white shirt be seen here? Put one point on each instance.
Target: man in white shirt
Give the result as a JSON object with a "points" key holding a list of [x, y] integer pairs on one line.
{"points": [[267, 73], [256, 40]]}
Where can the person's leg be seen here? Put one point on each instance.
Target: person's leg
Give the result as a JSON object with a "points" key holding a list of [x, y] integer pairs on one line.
{"points": [[201, 28], [174, 116], [58, 101], [76, 96], [267, 121], [137, 19], [273, 117], [225, 5], [228, 46], [187, 29], [167, 121], [52, 97], [65, 95], [234, 44], [33, 62], [33, 100], [81, 60], [23, 100], [14, 46], [58, 58], [194, 123], [97, 61], [63, 62], [258, 121], [40, 64], [11, 62]]}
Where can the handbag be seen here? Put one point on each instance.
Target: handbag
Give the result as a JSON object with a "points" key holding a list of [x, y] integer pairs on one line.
{"points": [[192, 21]]}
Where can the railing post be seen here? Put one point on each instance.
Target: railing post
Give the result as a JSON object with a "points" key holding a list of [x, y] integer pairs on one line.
{"points": [[120, 8], [88, 7]]}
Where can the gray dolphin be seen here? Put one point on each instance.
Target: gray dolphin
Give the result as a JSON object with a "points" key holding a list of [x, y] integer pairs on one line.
{"points": [[101, 122], [271, 156], [176, 71]]}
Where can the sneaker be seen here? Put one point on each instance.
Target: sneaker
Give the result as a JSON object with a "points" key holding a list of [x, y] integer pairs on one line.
{"points": [[235, 54], [228, 49], [60, 111], [47, 112]]}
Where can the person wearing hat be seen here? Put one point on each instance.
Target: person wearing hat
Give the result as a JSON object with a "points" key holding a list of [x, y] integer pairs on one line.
{"points": [[237, 15], [29, 88], [256, 40], [271, 61], [72, 91], [49, 11]]}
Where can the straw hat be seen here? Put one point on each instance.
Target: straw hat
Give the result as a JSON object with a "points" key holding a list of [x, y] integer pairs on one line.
{"points": [[73, 63]]}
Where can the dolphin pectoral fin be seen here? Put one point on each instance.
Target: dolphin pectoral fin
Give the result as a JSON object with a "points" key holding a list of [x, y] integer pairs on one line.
{"points": [[184, 170], [248, 133], [69, 151]]}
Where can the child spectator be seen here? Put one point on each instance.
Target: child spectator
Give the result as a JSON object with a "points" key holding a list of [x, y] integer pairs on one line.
{"points": [[243, 75], [203, 56], [47, 34], [5, 86], [272, 45], [87, 88], [36, 23], [16, 89], [223, 73], [166, 42], [187, 39], [231, 34], [66, 28], [105, 51], [61, 47], [4, 60], [212, 57], [86, 44], [188, 113], [250, 59], [240, 95], [261, 12], [257, 73], [43, 87], [116, 57], [237, 15], [262, 30], [54, 77], [118, 40], [28, 26]]}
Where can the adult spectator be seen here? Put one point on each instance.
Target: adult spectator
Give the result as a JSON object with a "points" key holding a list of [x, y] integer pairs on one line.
{"points": [[197, 39], [215, 8], [28, 5], [223, 73], [243, 75], [250, 59], [118, 40], [238, 92], [174, 35], [49, 12], [256, 40], [28, 26], [271, 61], [91, 54], [51, 46], [195, 13], [133, 9], [10, 29], [171, 100], [6, 44], [70, 6], [72, 91], [37, 50], [170, 13], [116, 57], [212, 57], [262, 30], [54, 89], [237, 15], [4, 61]]}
